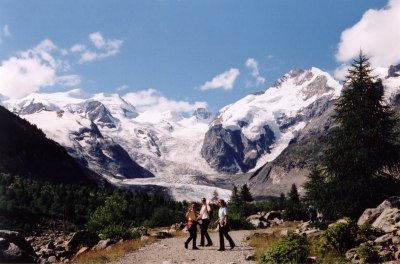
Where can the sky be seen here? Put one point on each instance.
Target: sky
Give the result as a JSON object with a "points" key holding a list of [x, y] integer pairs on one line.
{"points": [[186, 54]]}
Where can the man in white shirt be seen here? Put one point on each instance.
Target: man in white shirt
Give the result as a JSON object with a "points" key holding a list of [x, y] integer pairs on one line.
{"points": [[205, 221]]}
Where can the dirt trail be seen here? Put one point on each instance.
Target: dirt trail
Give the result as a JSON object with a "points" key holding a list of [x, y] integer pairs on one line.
{"points": [[171, 251]]}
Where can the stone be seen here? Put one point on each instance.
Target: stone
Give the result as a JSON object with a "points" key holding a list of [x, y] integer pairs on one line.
{"points": [[104, 244], [15, 249], [82, 238], [52, 259], [81, 251], [387, 220], [384, 239]]}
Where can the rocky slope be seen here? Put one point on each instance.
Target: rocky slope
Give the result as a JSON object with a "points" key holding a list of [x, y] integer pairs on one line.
{"points": [[25, 151], [259, 126]]}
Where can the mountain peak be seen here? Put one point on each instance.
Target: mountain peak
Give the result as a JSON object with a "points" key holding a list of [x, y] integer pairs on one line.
{"points": [[202, 114]]}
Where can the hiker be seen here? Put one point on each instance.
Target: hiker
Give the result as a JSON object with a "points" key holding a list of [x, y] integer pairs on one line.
{"points": [[223, 226], [320, 216], [312, 214], [205, 218], [191, 226]]}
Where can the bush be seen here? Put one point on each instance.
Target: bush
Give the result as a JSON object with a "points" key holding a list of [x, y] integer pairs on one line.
{"points": [[340, 236], [368, 232], [115, 232], [368, 253], [292, 248]]}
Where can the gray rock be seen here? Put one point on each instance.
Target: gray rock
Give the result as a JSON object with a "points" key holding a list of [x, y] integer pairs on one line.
{"points": [[387, 220], [230, 151], [14, 248], [104, 244], [82, 238]]}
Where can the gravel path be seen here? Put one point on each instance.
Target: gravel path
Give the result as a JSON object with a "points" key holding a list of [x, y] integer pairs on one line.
{"points": [[171, 251]]}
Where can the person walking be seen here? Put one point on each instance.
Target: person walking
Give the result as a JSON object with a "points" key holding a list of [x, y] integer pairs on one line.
{"points": [[192, 226], [205, 221], [223, 226]]}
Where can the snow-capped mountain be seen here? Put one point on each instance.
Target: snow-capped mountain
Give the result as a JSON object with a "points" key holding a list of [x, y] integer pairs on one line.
{"points": [[255, 129], [262, 135]]}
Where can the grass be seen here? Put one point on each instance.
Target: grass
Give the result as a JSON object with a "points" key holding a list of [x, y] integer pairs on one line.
{"points": [[119, 250], [114, 252]]}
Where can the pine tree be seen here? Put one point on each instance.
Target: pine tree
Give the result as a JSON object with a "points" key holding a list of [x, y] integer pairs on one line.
{"points": [[362, 153], [363, 145], [293, 195], [245, 194], [215, 197], [235, 197]]}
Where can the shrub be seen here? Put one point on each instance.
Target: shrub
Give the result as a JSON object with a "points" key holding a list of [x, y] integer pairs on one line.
{"points": [[368, 232], [115, 232], [368, 253], [340, 236], [292, 248]]}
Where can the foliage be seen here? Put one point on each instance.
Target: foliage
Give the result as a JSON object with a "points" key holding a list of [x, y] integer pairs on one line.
{"points": [[294, 208], [368, 253], [25, 202], [362, 154], [340, 236], [245, 194], [292, 248]]}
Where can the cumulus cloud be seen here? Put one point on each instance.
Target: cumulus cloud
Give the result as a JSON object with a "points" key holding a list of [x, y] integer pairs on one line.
{"points": [[153, 100], [377, 34], [252, 64], [103, 48], [33, 69], [224, 81]]}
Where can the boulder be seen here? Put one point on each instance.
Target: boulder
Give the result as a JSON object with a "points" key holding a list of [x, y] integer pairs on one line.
{"points": [[104, 244], [258, 221], [388, 220], [371, 214], [272, 215], [15, 249], [82, 239]]}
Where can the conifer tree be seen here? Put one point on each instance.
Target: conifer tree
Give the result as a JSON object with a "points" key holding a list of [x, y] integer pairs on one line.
{"points": [[362, 152], [245, 194], [294, 195], [235, 197], [215, 197]]}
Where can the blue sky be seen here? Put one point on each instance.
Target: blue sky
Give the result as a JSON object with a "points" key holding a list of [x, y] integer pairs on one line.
{"points": [[210, 52]]}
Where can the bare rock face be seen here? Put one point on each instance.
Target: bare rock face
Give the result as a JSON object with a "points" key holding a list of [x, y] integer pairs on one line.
{"points": [[230, 151]]}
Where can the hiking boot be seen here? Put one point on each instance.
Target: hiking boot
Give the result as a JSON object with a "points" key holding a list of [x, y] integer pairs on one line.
{"points": [[195, 248], [221, 249], [209, 244], [186, 245], [233, 246]]}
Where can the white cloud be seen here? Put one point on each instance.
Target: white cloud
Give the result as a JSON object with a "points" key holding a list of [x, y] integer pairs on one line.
{"points": [[377, 34], [342, 71], [78, 48], [6, 31], [104, 48], [152, 100], [98, 40], [122, 87], [252, 64], [69, 80], [33, 69], [224, 81]]}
